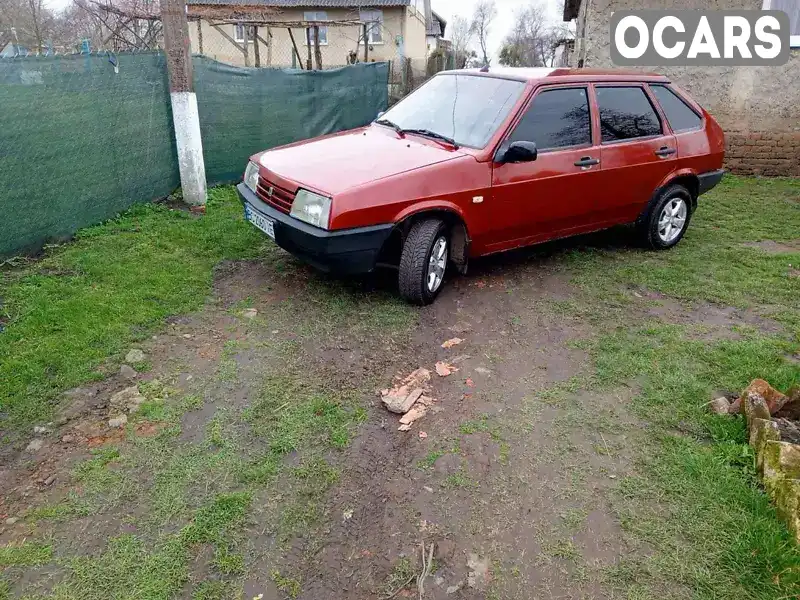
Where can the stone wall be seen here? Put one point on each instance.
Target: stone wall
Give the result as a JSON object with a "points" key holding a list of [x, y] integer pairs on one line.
{"points": [[756, 106], [774, 432]]}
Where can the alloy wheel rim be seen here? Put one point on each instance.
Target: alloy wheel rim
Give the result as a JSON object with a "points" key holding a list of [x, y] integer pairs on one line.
{"points": [[672, 220], [437, 264]]}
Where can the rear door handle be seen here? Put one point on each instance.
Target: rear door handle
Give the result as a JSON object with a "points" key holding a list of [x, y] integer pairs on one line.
{"points": [[587, 161], [665, 151]]}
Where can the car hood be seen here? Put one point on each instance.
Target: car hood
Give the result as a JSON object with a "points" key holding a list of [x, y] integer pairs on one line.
{"points": [[339, 162]]}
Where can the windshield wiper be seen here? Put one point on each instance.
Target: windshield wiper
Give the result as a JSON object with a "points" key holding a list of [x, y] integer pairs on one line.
{"points": [[432, 134], [391, 124]]}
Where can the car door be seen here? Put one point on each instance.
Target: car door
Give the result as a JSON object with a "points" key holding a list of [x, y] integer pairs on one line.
{"points": [[637, 151], [556, 193]]}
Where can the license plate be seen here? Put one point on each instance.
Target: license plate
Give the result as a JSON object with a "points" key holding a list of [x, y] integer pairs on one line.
{"points": [[265, 224]]}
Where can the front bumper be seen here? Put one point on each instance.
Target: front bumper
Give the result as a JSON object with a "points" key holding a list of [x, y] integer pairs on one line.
{"points": [[347, 251]]}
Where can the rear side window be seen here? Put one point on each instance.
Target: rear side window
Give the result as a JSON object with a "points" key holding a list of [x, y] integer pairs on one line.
{"points": [[556, 119], [626, 113], [680, 115]]}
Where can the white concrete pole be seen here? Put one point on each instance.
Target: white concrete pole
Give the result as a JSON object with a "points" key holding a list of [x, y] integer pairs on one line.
{"points": [[186, 121]]}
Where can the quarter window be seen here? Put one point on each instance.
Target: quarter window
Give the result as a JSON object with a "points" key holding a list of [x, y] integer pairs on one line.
{"points": [[626, 113], [680, 115], [318, 15], [556, 119]]}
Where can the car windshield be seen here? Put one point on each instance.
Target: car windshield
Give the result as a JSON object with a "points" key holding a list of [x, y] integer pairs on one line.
{"points": [[466, 108]]}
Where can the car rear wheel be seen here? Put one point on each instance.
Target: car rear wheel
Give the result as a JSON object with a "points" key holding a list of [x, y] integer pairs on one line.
{"points": [[423, 262], [669, 218]]}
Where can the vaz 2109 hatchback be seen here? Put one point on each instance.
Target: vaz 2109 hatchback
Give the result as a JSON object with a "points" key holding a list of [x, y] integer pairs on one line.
{"points": [[478, 162]]}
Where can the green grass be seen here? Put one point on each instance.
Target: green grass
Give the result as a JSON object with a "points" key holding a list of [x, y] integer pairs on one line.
{"points": [[289, 586], [430, 459], [128, 569], [711, 263], [459, 480], [84, 303], [215, 590], [25, 554], [709, 530], [696, 501], [402, 574], [72, 316]]}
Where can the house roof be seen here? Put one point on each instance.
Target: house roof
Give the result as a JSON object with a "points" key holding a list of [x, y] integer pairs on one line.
{"points": [[571, 9], [305, 3], [11, 50], [435, 25]]}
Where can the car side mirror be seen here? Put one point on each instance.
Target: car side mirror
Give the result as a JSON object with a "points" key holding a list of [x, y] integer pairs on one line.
{"points": [[380, 114], [516, 152]]}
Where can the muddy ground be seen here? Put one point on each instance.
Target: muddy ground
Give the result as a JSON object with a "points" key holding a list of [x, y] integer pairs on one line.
{"points": [[513, 483]]}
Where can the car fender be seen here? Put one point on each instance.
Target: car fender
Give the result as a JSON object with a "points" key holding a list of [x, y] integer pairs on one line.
{"points": [[666, 182], [431, 206], [685, 172], [460, 237]]}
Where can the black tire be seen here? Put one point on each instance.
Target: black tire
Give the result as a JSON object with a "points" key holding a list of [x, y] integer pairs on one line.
{"points": [[414, 260], [649, 227]]}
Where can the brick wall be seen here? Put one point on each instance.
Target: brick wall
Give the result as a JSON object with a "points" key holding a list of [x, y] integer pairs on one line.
{"points": [[758, 107], [768, 153]]}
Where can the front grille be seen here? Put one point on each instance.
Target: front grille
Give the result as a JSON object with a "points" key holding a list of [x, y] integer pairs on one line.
{"points": [[280, 198]]}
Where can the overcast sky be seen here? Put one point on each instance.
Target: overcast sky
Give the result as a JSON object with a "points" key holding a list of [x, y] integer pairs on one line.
{"points": [[506, 9]]}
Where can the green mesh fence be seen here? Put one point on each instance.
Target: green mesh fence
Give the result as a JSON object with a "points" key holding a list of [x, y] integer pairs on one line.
{"points": [[243, 111], [79, 143]]}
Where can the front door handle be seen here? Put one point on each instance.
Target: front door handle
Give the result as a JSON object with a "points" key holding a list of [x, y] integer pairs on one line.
{"points": [[665, 151], [587, 161]]}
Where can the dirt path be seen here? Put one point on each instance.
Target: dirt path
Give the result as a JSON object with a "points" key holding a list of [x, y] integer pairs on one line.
{"points": [[510, 487], [512, 483]]}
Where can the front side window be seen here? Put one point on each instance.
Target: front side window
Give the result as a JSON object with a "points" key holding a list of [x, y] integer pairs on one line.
{"points": [[680, 115], [791, 8], [626, 113], [467, 108], [557, 118], [373, 19], [316, 15]]}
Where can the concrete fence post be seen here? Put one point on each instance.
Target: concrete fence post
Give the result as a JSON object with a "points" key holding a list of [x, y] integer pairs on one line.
{"points": [[185, 118]]}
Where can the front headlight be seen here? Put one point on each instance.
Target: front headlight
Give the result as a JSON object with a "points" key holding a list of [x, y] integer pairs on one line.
{"points": [[311, 208], [251, 176]]}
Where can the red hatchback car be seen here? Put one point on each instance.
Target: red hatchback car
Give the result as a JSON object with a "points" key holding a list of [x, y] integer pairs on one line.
{"points": [[478, 162]]}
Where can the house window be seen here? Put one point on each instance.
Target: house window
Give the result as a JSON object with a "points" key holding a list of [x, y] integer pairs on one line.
{"points": [[318, 15], [373, 19], [239, 30], [791, 8]]}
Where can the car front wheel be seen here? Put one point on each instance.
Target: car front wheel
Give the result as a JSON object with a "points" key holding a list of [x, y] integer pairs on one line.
{"points": [[423, 262]]}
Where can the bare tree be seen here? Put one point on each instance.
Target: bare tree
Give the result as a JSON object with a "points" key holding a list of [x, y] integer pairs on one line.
{"points": [[482, 18], [125, 24], [26, 22], [461, 35], [35, 7], [532, 42], [74, 25]]}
